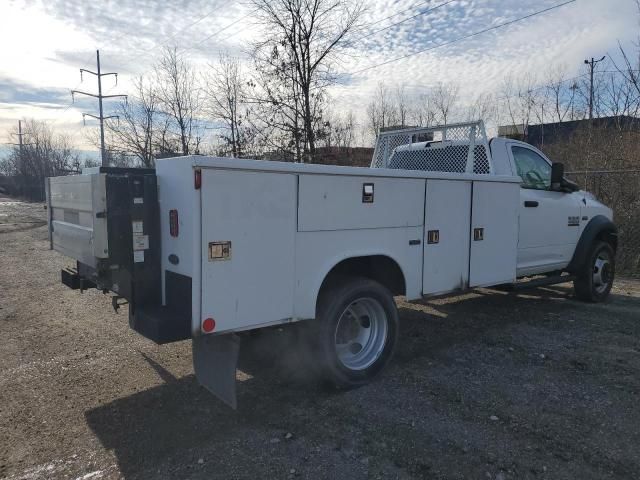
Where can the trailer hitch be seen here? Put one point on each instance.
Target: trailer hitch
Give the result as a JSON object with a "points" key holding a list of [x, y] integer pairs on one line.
{"points": [[114, 303]]}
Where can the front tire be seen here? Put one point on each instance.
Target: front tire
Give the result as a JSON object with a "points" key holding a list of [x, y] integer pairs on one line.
{"points": [[594, 282], [355, 331]]}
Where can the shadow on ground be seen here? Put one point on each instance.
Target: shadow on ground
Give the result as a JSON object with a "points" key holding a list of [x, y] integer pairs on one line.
{"points": [[489, 339]]}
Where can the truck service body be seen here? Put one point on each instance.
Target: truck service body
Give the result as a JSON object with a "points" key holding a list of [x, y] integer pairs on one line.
{"points": [[205, 248]]}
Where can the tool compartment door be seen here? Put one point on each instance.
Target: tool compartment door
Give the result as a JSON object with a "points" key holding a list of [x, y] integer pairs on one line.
{"points": [[334, 202], [248, 234], [494, 233], [446, 237]]}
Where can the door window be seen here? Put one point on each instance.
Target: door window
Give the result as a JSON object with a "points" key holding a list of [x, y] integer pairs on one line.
{"points": [[534, 170]]}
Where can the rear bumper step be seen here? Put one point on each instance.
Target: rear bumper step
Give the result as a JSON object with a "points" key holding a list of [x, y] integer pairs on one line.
{"points": [[160, 324], [74, 281]]}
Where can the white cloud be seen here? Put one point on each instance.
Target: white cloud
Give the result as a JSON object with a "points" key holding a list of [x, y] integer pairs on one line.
{"points": [[46, 43]]}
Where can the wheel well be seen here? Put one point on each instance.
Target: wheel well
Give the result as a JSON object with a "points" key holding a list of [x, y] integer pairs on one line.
{"points": [[380, 268], [599, 228], [610, 237]]}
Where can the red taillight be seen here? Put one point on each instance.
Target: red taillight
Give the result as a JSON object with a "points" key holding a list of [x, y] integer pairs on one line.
{"points": [[208, 325], [174, 228], [197, 179]]}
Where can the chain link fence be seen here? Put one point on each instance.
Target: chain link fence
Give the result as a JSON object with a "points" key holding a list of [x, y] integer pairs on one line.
{"points": [[620, 190]]}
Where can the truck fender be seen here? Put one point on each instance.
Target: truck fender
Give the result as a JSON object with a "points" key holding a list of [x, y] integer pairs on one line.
{"points": [[596, 227], [331, 265]]}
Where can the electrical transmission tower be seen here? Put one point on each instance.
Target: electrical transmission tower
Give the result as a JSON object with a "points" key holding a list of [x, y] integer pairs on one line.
{"points": [[100, 97]]}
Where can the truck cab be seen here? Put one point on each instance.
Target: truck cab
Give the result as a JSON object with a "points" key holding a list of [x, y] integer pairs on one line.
{"points": [[551, 220]]}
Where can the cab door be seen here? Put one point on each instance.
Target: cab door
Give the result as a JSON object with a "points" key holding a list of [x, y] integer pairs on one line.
{"points": [[548, 221]]}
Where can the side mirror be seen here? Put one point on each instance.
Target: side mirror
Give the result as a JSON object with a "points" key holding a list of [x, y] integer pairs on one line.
{"points": [[557, 176], [558, 182]]}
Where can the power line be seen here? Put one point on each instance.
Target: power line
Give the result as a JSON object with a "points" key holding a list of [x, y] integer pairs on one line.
{"points": [[220, 31], [400, 12], [429, 10], [171, 37], [464, 37]]}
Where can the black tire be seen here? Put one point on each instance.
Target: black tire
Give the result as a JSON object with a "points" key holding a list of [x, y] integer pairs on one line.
{"points": [[339, 301], [586, 285]]}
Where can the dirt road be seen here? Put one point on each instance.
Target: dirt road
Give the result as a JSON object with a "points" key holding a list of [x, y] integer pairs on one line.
{"points": [[486, 385]]}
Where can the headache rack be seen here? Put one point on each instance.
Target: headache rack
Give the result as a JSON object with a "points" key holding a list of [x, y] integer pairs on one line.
{"points": [[455, 148]]}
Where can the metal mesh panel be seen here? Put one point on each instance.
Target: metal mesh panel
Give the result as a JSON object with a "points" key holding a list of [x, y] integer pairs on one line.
{"points": [[457, 148], [481, 162], [385, 146], [452, 158]]}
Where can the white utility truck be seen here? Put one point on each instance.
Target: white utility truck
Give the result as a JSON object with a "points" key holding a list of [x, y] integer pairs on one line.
{"points": [[205, 248]]}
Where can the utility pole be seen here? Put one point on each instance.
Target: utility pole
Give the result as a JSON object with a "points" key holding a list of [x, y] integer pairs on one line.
{"points": [[20, 143], [100, 97], [592, 66], [20, 135]]}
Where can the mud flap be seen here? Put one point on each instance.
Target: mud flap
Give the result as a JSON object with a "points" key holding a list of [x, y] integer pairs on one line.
{"points": [[214, 361]]}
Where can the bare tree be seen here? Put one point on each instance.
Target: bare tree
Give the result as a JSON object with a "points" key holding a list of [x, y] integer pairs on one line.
{"points": [[401, 103], [348, 132], [303, 40], [44, 154], [630, 68], [541, 104], [519, 97], [424, 114], [381, 111], [444, 99], [226, 96], [275, 112], [630, 72], [340, 131], [619, 96], [483, 108], [180, 97], [561, 96], [133, 132]]}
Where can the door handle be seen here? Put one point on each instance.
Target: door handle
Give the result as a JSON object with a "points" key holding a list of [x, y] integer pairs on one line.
{"points": [[530, 203]]}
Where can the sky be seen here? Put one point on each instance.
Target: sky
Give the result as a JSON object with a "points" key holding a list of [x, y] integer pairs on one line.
{"points": [[45, 43]]}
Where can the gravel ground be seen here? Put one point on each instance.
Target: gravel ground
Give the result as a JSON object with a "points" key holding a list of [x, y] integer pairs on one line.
{"points": [[484, 385]]}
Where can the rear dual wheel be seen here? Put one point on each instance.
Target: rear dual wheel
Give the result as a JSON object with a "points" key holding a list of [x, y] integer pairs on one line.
{"points": [[355, 331]]}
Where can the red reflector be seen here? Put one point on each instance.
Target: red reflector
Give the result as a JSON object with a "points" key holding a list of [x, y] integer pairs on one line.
{"points": [[197, 179], [208, 325], [174, 228]]}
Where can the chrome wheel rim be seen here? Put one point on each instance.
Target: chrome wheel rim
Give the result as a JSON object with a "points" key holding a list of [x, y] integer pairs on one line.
{"points": [[602, 272], [361, 333]]}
